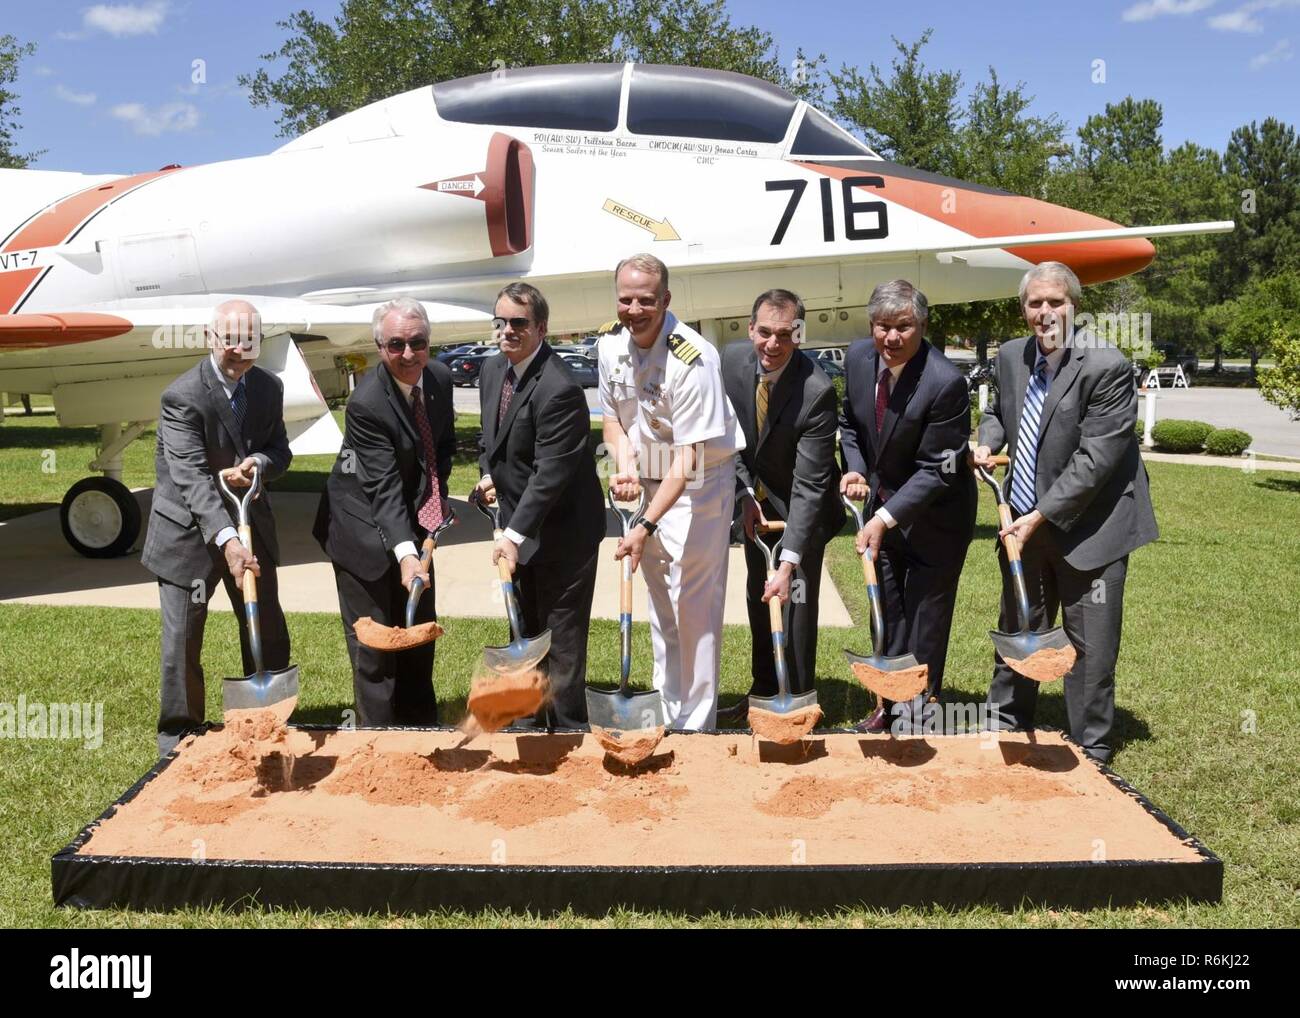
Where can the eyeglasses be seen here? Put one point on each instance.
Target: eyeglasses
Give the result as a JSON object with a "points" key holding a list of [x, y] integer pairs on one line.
{"points": [[396, 346], [517, 324], [235, 342]]}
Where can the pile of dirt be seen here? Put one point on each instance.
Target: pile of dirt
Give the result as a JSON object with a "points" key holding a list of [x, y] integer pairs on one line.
{"points": [[398, 779], [784, 729], [378, 636], [496, 700], [628, 748], [900, 685], [1046, 665]]}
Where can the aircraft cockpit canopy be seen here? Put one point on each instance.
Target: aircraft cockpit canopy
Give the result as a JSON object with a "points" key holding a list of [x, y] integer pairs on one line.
{"points": [[685, 102]]}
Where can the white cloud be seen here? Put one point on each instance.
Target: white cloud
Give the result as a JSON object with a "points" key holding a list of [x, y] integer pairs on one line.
{"points": [[126, 19], [160, 119], [42, 71], [76, 98], [1281, 51], [1243, 18], [1148, 9]]}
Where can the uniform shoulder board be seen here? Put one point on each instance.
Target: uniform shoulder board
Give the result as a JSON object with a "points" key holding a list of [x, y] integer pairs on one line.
{"points": [[682, 349], [609, 328]]}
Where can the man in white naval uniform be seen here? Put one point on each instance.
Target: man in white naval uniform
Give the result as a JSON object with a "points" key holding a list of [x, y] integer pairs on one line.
{"points": [[668, 425]]}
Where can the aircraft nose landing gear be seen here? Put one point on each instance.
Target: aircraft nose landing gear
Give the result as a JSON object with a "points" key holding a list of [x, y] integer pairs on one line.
{"points": [[99, 515]]}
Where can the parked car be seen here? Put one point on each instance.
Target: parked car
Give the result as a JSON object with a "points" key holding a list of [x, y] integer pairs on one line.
{"points": [[465, 349], [834, 354], [575, 350], [832, 368], [582, 368], [465, 368]]}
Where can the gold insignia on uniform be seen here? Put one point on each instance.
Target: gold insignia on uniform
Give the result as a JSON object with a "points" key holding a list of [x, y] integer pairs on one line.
{"points": [[682, 349], [609, 328]]}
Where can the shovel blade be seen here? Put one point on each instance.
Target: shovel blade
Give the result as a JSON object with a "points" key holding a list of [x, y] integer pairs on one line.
{"points": [[1018, 650], [893, 678], [881, 663], [275, 691], [787, 704], [610, 709], [520, 656]]}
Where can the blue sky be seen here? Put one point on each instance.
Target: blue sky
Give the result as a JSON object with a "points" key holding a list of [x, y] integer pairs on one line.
{"points": [[111, 87]]}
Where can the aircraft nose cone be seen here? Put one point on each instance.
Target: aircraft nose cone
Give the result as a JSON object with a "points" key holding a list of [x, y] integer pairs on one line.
{"points": [[1092, 261]]}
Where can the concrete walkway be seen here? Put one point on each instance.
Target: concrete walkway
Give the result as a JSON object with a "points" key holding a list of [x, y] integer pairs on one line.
{"points": [[1272, 429], [1246, 464], [38, 567]]}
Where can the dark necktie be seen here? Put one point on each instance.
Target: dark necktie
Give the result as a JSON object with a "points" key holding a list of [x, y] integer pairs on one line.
{"points": [[1023, 490], [507, 393], [430, 514], [761, 398], [239, 404], [882, 398]]}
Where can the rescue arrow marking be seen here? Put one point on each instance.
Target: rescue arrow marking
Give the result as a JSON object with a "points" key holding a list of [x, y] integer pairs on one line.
{"points": [[661, 228]]}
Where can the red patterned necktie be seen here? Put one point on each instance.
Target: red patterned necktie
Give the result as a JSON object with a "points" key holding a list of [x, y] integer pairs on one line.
{"points": [[882, 398], [507, 392], [430, 514]]}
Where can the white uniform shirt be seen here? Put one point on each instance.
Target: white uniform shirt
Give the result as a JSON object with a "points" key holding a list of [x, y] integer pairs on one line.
{"points": [[665, 399]]}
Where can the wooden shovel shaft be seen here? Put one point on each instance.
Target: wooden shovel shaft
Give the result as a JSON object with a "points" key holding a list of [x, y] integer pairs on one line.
{"points": [[252, 613], [1014, 565], [508, 591], [778, 642], [874, 600]]}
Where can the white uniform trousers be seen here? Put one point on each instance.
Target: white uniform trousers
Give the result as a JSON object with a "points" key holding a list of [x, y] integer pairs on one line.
{"points": [[685, 566]]}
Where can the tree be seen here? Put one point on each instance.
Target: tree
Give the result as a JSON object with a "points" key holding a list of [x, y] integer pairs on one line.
{"points": [[11, 54], [1280, 384], [1265, 306], [912, 117], [1263, 163], [374, 49]]}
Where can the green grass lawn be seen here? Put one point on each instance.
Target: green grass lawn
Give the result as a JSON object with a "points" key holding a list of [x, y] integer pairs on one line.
{"points": [[1207, 697]]}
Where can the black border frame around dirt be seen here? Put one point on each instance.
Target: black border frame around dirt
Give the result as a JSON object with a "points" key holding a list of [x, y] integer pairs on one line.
{"points": [[158, 884]]}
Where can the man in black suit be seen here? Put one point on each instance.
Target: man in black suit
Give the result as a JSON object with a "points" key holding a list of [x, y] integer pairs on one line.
{"points": [[787, 471], [1080, 498], [536, 458], [224, 415], [905, 432], [386, 493]]}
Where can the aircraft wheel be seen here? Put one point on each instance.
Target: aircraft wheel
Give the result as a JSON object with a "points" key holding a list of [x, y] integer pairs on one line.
{"points": [[100, 517]]}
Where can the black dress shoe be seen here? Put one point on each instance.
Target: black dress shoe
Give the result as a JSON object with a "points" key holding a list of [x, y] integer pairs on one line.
{"points": [[737, 712], [874, 725]]}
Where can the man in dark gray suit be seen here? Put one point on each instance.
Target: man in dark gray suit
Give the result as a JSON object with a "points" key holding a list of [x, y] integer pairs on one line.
{"points": [[905, 434], [1079, 495], [223, 415], [535, 457], [787, 471]]}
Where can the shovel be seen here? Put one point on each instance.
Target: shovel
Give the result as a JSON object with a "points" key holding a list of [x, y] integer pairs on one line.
{"points": [[621, 710], [890, 678], [509, 686], [1055, 653], [380, 637], [276, 691], [787, 728]]}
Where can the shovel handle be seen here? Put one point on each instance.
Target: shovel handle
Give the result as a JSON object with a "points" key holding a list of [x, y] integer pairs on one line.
{"points": [[1014, 566], [771, 527], [417, 585], [625, 625], [876, 603], [508, 591], [251, 612], [778, 642]]}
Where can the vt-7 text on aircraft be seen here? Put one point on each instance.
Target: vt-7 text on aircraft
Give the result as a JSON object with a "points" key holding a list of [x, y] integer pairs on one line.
{"points": [[446, 193]]}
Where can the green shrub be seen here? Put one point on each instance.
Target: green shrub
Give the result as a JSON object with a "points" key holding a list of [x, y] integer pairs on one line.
{"points": [[1140, 428], [1180, 436], [1227, 442]]}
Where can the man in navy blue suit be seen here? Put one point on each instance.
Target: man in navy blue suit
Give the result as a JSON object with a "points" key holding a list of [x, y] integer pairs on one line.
{"points": [[904, 432]]}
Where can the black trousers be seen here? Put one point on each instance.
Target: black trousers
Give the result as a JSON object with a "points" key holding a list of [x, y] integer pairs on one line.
{"points": [[919, 598], [557, 596], [184, 618], [389, 687], [800, 621], [1091, 604]]}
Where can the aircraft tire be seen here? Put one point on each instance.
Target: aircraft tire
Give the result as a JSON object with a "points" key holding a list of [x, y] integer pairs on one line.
{"points": [[100, 517]]}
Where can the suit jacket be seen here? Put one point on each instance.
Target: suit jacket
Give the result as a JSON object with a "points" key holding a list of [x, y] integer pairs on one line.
{"points": [[540, 459], [381, 478], [1090, 480], [197, 437], [917, 465], [794, 457]]}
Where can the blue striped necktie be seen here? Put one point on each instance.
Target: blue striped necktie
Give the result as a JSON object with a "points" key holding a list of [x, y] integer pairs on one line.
{"points": [[1023, 495], [239, 403]]}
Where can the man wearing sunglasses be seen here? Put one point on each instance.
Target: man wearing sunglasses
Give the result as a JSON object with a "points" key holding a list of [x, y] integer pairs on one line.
{"points": [[536, 459], [386, 493]]}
